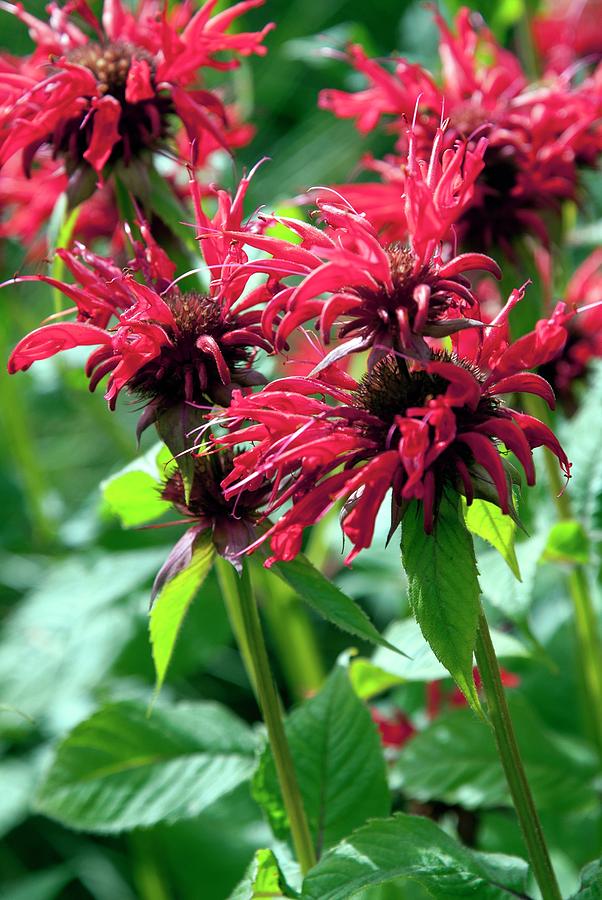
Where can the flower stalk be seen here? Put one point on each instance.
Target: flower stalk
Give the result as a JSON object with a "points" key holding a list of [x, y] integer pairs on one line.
{"points": [[587, 632], [499, 717], [249, 633]]}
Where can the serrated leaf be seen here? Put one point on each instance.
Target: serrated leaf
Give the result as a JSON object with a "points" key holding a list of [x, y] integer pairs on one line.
{"points": [[122, 769], [263, 879], [443, 588], [419, 662], [339, 763], [591, 882], [173, 602], [488, 522], [327, 599], [568, 543], [411, 847], [454, 760]]}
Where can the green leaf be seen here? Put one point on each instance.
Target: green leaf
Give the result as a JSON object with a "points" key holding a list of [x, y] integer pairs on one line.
{"points": [[263, 879], [568, 543], [443, 588], [165, 203], [581, 438], [591, 882], [45, 885], [121, 769], [488, 522], [175, 426], [16, 784], [414, 848], [369, 680], [419, 662], [339, 764], [454, 760], [499, 587], [65, 636], [132, 494], [170, 607], [330, 602]]}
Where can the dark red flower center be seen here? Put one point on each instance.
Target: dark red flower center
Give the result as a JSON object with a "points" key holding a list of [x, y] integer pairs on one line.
{"points": [[206, 497], [184, 370], [110, 64]]}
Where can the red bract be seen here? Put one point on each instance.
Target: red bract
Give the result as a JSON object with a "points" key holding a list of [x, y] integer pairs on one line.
{"points": [[416, 430], [389, 295], [165, 345], [231, 522], [538, 134], [102, 91], [395, 730]]}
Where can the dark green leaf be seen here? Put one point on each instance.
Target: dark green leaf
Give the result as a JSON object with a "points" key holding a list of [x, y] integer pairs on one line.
{"points": [[327, 599], [123, 769], [443, 587], [568, 543], [591, 882], [263, 879], [339, 763], [455, 760], [414, 848], [45, 885], [489, 523], [170, 607]]}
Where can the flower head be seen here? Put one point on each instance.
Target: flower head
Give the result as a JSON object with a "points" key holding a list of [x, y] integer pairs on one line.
{"points": [[232, 523], [388, 295], [421, 430], [163, 344], [98, 91], [538, 134]]}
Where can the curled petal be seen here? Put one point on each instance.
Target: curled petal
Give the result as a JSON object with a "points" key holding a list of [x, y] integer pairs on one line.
{"points": [[51, 339]]}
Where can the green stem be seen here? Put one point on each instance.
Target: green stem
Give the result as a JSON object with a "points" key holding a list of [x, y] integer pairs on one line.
{"points": [[255, 655], [587, 631], [228, 582], [293, 635], [499, 716]]}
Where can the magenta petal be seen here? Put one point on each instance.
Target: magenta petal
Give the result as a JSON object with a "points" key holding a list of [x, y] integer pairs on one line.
{"points": [[51, 339]]}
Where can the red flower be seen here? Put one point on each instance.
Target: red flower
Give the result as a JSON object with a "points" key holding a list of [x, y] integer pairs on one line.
{"points": [[568, 30], [584, 342], [165, 345], [538, 134], [391, 295], [27, 203], [414, 430], [102, 91], [395, 730], [231, 522], [437, 699]]}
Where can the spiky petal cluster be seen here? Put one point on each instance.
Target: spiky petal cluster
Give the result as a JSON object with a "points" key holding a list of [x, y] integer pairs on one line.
{"points": [[417, 431], [164, 345], [101, 90], [387, 295], [539, 134]]}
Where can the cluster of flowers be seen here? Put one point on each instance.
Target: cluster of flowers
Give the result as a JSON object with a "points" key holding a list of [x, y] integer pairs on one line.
{"points": [[384, 272]]}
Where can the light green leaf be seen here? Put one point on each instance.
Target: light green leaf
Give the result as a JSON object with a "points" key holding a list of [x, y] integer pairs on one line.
{"points": [[454, 760], [170, 607], [133, 493], [339, 764], [581, 438], [419, 662], [121, 769], [369, 680], [568, 543], [415, 848], [488, 522], [591, 882], [443, 588], [499, 587], [263, 879], [323, 596]]}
